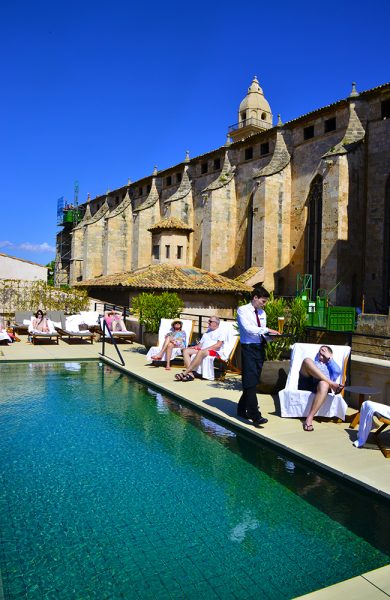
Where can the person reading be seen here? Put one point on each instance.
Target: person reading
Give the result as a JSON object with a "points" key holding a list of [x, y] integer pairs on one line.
{"points": [[319, 376]]}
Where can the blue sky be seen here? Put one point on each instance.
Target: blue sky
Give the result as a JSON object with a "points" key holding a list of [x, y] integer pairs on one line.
{"points": [[100, 92]]}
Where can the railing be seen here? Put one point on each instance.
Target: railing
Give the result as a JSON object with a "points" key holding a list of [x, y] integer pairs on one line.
{"points": [[108, 306], [104, 329], [252, 121], [202, 321]]}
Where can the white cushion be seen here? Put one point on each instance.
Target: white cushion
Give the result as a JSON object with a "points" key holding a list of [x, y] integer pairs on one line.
{"points": [[297, 403], [89, 317]]}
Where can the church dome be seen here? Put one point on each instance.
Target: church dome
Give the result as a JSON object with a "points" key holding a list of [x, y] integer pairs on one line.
{"points": [[255, 106]]}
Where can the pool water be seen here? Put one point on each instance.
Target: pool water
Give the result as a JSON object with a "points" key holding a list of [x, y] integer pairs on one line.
{"points": [[111, 490]]}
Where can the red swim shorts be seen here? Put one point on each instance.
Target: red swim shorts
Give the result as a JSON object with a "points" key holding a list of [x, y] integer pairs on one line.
{"points": [[213, 353]]}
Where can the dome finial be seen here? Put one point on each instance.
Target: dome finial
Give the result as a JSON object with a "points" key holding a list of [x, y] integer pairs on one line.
{"points": [[187, 158], [354, 91], [155, 171], [280, 122]]}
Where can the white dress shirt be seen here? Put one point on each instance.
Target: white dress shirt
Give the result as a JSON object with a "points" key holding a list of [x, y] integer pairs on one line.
{"points": [[250, 332]]}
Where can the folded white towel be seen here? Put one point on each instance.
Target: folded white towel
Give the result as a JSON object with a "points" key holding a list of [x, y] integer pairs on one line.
{"points": [[367, 412]]}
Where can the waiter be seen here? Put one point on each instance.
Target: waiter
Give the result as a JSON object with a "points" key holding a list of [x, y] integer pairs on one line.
{"points": [[252, 322]]}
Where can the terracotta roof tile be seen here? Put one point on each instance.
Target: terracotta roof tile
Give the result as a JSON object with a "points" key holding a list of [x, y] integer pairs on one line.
{"points": [[169, 277], [170, 223]]}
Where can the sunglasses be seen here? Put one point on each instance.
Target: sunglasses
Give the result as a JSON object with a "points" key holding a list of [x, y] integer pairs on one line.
{"points": [[211, 321]]}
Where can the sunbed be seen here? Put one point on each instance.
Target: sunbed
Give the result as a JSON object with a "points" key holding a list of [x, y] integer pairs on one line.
{"points": [[297, 403], [165, 326]]}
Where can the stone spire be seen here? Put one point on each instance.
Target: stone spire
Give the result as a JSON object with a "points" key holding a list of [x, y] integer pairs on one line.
{"points": [[355, 131], [185, 185], [280, 158], [152, 197], [226, 175], [354, 91]]}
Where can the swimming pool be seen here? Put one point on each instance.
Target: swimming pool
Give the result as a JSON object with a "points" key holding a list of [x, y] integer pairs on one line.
{"points": [[110, 490]]}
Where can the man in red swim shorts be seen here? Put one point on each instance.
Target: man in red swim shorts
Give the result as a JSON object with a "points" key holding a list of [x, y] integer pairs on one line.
{"points": [[211, 344]]}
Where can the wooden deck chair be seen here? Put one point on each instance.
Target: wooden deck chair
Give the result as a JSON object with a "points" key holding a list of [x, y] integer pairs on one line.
{"points": [[385, 423], [165, 326], [40, 336], [207, 366], [297, 403], [125, 336], [74, 328], [22, 321]]}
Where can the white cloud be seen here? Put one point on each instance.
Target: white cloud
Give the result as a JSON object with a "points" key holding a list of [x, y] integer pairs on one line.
{"points": [[44, 247]]}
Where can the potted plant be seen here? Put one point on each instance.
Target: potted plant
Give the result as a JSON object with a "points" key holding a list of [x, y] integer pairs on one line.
{"points": [[277, 364], [151, 308]]}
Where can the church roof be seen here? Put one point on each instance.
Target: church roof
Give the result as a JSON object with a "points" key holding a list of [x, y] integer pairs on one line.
{"points": [[170, 223], [168, 277]]}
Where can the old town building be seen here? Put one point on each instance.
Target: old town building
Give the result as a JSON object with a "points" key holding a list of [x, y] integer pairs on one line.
{"points": [[308, 196]]}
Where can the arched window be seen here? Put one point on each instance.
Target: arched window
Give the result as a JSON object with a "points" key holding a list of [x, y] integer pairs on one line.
{"points": [[313, 232], [386, 248]]}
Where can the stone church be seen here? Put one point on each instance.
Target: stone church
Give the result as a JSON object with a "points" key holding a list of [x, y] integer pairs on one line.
{"points": [[308, 196]]}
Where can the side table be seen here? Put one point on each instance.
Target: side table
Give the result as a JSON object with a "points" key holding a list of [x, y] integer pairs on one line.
{"points": [[362, 390]]}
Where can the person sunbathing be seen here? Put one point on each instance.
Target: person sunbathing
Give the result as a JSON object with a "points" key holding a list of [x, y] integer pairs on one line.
{"points": [[211, 344], [4, 335], [114, 320], [175, 338], [319, 376], [39, 323]]}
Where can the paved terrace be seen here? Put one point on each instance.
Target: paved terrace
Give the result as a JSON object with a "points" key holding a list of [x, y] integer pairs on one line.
{"points": [[329, 446]]}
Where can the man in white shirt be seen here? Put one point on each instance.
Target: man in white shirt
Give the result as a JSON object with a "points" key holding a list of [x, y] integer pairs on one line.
{"points": [[211, 344], [252, 322]]}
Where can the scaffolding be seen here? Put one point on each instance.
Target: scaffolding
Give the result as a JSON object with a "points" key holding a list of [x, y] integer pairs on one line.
{"points": [[68, 216]]}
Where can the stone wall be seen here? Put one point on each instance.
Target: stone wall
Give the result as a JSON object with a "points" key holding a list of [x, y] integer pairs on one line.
{"points": [[249, 208]]}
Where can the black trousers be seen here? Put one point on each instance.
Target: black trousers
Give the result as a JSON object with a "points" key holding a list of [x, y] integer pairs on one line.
{"points": [[252, 359]]}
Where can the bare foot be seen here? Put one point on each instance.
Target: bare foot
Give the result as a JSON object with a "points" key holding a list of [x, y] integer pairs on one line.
{"points": [[167, 368], [156, 357]]}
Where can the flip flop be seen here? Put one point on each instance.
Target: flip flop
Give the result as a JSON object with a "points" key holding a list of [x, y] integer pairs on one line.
{"points": [[307, 427], [339, 389], [179, 376]]}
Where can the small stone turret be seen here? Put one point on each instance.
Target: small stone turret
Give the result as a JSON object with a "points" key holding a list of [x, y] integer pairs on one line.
{"points": [[254, 114]]}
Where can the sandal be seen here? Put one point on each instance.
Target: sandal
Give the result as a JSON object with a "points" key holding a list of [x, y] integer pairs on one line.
{"points": [[180, 376], [307, 427], [188, 377], [339, 389]]}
